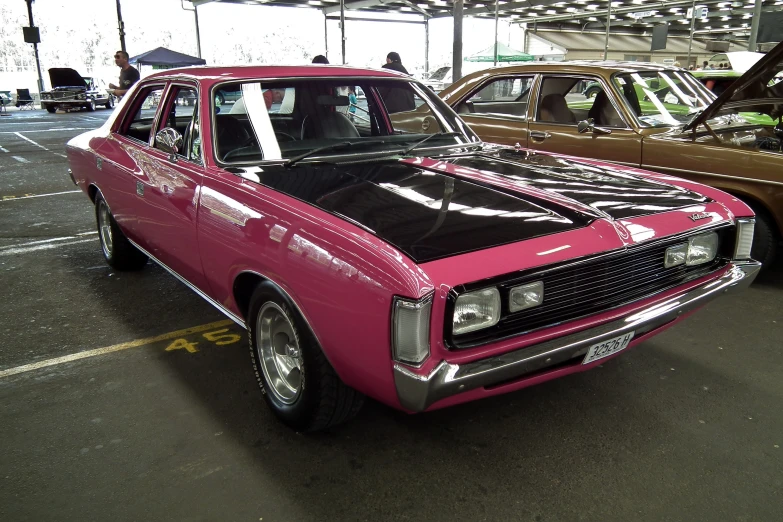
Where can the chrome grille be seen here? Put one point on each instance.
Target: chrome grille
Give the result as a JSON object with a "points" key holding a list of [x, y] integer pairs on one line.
{"points": [[591, 286]]}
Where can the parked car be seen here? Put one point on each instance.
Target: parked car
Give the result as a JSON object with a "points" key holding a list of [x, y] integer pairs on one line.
{"points": [[399, 257], [646, 115], [70, 90]]}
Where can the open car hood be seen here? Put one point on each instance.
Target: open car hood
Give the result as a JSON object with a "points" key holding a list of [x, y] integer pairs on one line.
{"points": [[752, 92], [65, 77]]}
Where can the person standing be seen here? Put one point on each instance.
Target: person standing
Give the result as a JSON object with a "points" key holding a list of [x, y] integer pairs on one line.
{"points": [[128, 74], [394, 62], [397, 99], [352, 100], [321, 59]]}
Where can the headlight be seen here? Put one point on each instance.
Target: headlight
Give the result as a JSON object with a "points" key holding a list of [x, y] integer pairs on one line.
{"points": [[702, 249], [676, 255], [411, 329], [745, 229], [697, 251], [476, 310], [526, 296]]}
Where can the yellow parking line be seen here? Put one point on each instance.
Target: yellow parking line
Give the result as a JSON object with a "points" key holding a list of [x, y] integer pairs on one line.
{"points": [[114, 348]]}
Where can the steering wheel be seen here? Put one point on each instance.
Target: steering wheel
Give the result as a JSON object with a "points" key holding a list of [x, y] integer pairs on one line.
{"points": [[285, 135], [239, 151]]}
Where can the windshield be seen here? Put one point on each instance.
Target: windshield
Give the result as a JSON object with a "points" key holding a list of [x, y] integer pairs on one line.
{"points": [[663, 98], [284, 119]]}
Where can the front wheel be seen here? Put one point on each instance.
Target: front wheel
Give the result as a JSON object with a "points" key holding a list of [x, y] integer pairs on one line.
{"points": [[117, 250], [298, 383], [51, 109], [90, 106], [110, 103]]}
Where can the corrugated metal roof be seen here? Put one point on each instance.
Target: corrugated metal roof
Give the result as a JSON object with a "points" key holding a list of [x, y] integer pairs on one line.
{"points": [[573, 41]]}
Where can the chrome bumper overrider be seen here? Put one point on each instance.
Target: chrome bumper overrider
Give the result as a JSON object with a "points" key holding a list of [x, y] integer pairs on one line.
{"points": [[418, 392]]}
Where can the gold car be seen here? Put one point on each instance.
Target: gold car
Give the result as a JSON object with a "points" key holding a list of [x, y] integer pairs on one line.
{"points": [[644, 115]]}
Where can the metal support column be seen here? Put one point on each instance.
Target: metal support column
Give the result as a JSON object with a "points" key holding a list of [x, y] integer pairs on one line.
{"points": [[198, 34], [690, 38], [342, 26], [121, 26], [326, 37], [426, 47], [35, 47], [608, 25], [496, 33], [456, 64], [754, 26]]}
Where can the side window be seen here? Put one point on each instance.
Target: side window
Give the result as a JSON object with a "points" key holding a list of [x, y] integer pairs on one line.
{"points": [[182, 116], [503, 97], [138, 124], [569, 100]]}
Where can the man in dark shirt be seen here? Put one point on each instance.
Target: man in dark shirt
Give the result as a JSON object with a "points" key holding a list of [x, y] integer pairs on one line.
{"points": [[128, 74], [396, 99]]}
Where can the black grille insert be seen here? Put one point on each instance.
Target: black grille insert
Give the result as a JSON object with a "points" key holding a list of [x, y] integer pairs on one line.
{"points": [[576, 290]]}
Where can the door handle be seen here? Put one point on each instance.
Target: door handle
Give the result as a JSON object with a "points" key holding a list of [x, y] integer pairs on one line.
{"points": [[538, 135]]}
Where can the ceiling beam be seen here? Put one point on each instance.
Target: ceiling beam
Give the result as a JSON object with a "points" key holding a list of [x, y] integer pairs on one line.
{"points": [[356, 5]]}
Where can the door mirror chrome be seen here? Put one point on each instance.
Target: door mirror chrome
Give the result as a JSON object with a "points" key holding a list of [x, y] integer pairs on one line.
{"points": [[589, 125], [585, 125], [169, 140]]}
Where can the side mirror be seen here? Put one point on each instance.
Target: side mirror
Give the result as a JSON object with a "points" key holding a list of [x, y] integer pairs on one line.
{"points": [[585, 125], [589, 125], [169, 140]]}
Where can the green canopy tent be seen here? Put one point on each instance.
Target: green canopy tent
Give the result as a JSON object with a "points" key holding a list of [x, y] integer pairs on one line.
{"points": [[505, 54]]}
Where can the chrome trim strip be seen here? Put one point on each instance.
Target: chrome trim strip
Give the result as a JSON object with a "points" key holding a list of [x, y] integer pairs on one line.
{"points": [[208, 299], [656, 168], [418, 392]]}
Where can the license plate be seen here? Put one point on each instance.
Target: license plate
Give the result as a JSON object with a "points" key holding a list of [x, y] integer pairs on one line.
{"points": [[607, 348]]}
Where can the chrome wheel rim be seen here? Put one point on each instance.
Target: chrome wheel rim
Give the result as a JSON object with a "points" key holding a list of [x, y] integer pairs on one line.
{"points": [[279, 352], [104, 227]]}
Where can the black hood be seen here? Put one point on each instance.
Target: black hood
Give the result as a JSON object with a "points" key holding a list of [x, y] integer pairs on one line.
{"points": [[65, 77], [429, 214], [604, 191]]}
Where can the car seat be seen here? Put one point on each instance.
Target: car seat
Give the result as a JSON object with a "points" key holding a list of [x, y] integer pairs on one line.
{"points": [[328, 125], [603, 112], [555, 109]]}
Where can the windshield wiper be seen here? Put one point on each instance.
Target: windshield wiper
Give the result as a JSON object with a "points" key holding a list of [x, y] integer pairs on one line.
{"points": [[334, 146], [421, 142]]}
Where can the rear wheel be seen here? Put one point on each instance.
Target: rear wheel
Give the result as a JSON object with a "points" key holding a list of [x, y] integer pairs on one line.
{"points": [[117, 250], [90, 106], [298, 383]]}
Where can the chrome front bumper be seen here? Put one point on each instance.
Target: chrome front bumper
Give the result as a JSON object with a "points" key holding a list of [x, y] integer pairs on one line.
{"points": [[418, 392]]}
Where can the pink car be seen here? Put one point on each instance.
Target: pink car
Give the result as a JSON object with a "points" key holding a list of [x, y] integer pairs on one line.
{"points": [[387, 252]]}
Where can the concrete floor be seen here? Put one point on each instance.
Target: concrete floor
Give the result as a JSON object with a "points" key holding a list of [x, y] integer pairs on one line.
{"points": [[171, 426]]}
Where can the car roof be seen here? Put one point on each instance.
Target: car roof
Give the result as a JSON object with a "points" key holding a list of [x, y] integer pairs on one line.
{"points": [[602, 67], [244, 72]]}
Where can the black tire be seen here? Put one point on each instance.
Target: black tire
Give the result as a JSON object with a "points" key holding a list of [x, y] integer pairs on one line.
{"points": [[117, 250], [90, 106], [51, 109], [110, 103], [322, 400], [765, 239]]}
